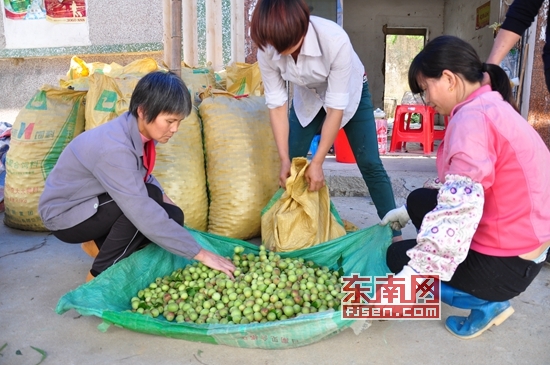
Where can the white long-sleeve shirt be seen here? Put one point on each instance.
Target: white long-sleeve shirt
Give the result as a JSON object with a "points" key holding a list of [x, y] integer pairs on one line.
{"points": [[327, 73]]}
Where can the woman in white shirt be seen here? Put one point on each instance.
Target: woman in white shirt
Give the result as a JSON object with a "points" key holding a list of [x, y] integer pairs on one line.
{"points": [[330, 92]]}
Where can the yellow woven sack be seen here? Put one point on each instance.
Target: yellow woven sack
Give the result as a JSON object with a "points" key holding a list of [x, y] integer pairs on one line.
{"points": [[221, 79], [108, 97], [244, 79], [78, 68], [49, 121], [300, 218], [242, 163], [197, 80], [139, 68], [180, 169], [80, 71]]}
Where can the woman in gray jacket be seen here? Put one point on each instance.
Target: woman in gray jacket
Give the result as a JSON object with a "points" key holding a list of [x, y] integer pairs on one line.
{"points": [[101, 189]]}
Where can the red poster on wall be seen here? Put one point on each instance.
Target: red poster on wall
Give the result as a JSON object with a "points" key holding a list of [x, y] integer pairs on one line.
{"points": [[68, 11], [16, 9]]}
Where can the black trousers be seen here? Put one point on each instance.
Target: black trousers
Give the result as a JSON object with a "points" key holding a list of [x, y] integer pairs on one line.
{"points": [[114, 234], [483, 276]]}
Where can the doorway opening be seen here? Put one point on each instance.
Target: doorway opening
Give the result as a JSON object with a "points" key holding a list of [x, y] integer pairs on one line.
{"points": [[401, 46]]}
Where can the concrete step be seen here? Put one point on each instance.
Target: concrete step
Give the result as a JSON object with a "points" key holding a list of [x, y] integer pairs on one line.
{"points": [[407, 171]]}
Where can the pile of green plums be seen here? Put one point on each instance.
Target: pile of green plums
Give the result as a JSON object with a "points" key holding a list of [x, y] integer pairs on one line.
{"points": [[266, 288]]}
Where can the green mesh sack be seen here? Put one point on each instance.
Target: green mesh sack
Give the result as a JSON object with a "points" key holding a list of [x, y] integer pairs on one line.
{"points": [[108, 296]]}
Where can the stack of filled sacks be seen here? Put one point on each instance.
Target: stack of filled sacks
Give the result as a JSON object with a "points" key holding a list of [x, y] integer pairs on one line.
{"points": [[89, 95], [180, 163], [236, 155], [233, 183]]}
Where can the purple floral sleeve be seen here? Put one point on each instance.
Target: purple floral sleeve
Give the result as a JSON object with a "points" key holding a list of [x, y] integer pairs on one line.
{"points": [[446, 232], [433, 183]]}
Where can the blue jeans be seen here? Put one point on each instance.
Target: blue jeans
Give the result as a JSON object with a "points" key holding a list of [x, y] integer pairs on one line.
{"points": [[361, 133]]}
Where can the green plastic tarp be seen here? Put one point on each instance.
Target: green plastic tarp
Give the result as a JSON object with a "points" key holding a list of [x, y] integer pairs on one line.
{"points": [[108, 296]]}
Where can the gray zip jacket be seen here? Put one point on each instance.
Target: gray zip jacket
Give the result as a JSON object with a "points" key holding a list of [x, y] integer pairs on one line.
{"points": [[109, 159]]}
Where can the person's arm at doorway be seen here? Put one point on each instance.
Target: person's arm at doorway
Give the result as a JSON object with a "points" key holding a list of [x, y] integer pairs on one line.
{"points": [[519, 17], [504, 42]]}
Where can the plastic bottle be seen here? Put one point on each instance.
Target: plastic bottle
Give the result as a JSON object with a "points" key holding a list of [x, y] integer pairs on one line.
{"points": [[379, 114], [381, 130]]}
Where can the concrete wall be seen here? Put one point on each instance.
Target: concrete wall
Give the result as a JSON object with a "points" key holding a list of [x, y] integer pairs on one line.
{"points": [[364, 21], [119, 31], [113, 25], [20, 78], [323, 8], [113, 22], [116, 22], [460, 20]]}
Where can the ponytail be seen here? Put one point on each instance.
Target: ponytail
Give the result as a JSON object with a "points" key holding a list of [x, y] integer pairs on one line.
{"points": [[500, 82]]}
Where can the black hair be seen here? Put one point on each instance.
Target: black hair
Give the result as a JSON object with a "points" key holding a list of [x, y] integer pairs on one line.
{"points": [[458, 56], [160, 92]]}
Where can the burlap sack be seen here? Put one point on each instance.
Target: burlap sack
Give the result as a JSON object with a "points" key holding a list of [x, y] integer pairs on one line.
{"points": [[299, 218], [242, 163], [108, 97], [49, 121], [244, 79], [197, 80], [180, 169]]}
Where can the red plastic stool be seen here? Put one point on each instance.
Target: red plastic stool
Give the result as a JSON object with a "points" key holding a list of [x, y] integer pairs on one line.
{"points": [[403, 133]]}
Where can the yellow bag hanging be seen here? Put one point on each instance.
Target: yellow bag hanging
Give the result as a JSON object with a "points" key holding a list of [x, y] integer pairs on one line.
{"points": [[300, 218]]}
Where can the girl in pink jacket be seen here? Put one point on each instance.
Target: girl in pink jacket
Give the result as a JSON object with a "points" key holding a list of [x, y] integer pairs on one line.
{"points": [[485, 230]]}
